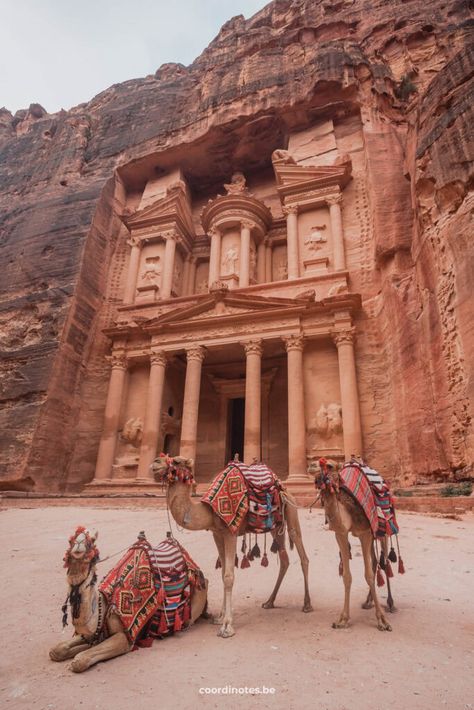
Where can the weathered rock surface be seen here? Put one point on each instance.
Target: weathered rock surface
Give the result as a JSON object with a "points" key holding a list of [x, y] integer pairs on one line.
{"points": [[406, 69]]}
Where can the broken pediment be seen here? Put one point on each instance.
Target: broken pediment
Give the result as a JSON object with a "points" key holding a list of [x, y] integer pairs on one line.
{"points": [[292, 179], [173, 209]]}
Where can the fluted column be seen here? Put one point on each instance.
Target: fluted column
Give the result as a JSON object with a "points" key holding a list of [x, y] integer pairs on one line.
{"points": [[296, 414], [132, 273], [244, 276], [192, 276], [261, 262], [292, 241], [268, 262], [192, 389], [113, 405], [337, 232], [253, 401], [152, 423], [168, 266], [352, 434], [215, 256]]}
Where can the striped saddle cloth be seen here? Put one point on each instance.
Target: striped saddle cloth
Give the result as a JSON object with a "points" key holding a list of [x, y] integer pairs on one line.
{"points": [[373, 495], [263, 486]]}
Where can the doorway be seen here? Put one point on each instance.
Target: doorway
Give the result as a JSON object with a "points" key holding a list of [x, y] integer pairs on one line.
{"points": [[235, 428]]}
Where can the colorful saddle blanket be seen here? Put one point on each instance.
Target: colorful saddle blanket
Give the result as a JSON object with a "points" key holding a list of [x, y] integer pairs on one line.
{"points": [[150, 589], [239, 490], [373, 495]]}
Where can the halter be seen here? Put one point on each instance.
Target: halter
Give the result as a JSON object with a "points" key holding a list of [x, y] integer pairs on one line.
{"points": [[91, 556], [175, 472], [324, 482]]}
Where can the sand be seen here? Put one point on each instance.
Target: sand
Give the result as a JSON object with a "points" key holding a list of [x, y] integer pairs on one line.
{"points": [[426, 662]]}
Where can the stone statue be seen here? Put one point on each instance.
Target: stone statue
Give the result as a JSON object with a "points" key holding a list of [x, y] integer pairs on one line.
{"points": [[316, 238], [334, 413], [176, 278], [237, 184], [230, 260], [322, 421], [152, 271], [282, 270], [282, 156], [253, 263], [132, 431]]}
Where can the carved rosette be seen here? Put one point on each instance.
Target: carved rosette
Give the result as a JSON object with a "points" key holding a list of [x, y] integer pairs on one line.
{"points": [[293, 342], [253, 347], [158, 358], [344, 337], [197, 352]]}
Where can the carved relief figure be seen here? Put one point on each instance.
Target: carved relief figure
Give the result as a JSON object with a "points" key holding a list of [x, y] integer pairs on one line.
{"points": [[322, 421], [282, 156], [281, 268], [230, 260], [237, 184], [176, 278], [203, 286], [253, 263], [132, 431], [334, 418], [152, 271], [316, 237]]}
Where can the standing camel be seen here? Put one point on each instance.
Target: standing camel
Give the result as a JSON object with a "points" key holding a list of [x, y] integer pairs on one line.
{"points": [[345, 515], [98, 630], [177, 474]]}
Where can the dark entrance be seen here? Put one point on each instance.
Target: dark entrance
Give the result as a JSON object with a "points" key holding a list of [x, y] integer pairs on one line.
{"points": [[236, 426]]}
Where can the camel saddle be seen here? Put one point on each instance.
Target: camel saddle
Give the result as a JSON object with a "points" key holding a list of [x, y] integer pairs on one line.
{"points": [[373, 495], [241, 492]]}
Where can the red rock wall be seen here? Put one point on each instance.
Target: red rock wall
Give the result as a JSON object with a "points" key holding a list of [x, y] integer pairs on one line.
{"points": [[61, 242]]}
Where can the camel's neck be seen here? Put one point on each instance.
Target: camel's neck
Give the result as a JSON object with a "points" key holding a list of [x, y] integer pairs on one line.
{"points": [[84, 598], [187, 513], [331, 508]]}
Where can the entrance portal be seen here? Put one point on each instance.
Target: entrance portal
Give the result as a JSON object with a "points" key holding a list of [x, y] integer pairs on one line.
{"points": [[235, 428]]}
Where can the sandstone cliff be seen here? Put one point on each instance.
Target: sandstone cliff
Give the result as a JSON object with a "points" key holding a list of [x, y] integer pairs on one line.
{"points": [[407, 68]]}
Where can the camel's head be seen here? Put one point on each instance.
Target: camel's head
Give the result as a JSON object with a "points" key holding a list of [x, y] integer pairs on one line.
{"points": [[173, 469], [326, 475], [82, 552]]}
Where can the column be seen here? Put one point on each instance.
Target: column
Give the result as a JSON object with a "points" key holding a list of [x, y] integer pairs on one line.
{"points": [[261, 262], [215, 256], [253, 401], [337, 232], [168, 266], [244, 277], [349, 395], [152, 423], [192, 388], [292, 241], [192, 276], [113, 405], [132, 273], [297, 472], [268, 261], [187, 264]]}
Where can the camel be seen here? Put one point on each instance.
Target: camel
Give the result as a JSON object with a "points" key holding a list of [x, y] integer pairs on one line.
{"points": [[345, 515], [177, 474], [98, 631]]}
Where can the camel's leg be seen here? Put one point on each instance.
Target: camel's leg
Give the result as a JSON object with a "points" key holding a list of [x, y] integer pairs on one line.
{"points": [[284, 564], [294, 532], [68, 649], [369, 602], [390, 602], [366, 542], [218, 539], [198, 603], [115, 645], [343, 542], [230, 546]]}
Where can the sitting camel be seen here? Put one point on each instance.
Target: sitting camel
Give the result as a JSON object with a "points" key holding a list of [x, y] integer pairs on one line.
{"points": [[98, 631], [177, 474], [345, 515]]}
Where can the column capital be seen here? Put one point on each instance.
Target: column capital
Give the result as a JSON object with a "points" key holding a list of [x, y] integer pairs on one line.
{"points": [[158, 357], [134, 242], [246, 224], [253, 347], [334, 199], [341, 337], [118, 360], [196, 352], [214, 231], [289, 209], [170, 235], [293, 342]]}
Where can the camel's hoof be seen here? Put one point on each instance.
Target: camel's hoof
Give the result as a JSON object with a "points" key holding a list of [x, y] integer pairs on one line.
{"points": [[391, 609], [268, 605], [79, 665], [216, 620], [55, 656], [307, 608], [382, 625], [341, 624], [367, 605], [226, 631]]}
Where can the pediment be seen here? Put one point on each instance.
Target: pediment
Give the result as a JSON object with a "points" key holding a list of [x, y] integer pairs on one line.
{"points": [[174, 207], [291, 178]]}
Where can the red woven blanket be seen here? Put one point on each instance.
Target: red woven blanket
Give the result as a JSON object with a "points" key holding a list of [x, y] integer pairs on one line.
{"points": [[373, 495], [228, 497]]}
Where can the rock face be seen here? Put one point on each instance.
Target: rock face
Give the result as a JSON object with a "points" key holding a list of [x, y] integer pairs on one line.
{"points": [[396, 79]]}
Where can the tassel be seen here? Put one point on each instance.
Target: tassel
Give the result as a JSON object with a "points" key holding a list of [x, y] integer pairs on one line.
{"points": [[255, 550], [380, 579], [388, 569], [245, 562], [392, 555], [275, 546], [186, 612], [178, 624], [218, 563], [382, 560], [243, 547], [64, 611], [264, 561], [163, 627], [401, 566], [250, 556], [161, 597], [236, 560]]}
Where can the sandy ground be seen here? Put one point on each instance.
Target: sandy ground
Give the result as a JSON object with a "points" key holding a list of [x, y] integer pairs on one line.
{"points": [[426, 662]]}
